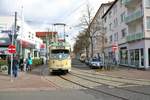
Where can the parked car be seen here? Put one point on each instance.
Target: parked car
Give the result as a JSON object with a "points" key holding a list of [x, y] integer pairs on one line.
{"points": [[87, 61], [82, 58], [95, 63]]}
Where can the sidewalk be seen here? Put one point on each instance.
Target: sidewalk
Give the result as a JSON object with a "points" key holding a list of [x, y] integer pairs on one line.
{"points": [[24, 82], [127, 72]]}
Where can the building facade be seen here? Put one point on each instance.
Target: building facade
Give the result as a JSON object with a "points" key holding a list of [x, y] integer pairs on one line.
{"points": [[127, 24], [96, 27], [138, 21], [47, 37], [25, 38], [116, 32]]}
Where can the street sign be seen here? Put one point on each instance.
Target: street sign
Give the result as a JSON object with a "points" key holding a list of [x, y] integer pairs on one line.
{"points": [[114, 47], [12, 49]]}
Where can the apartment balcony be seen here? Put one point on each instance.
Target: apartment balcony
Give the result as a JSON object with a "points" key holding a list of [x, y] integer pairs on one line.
{"points": [[126, 2], [134, 37], [134, 16], [130, 3]]}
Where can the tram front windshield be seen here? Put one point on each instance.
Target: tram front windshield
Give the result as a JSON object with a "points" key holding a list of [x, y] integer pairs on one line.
{"points": [[59, 54]]}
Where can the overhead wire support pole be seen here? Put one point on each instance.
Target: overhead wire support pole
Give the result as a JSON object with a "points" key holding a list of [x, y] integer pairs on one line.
{"points": [[22, 21], [61, 24]]}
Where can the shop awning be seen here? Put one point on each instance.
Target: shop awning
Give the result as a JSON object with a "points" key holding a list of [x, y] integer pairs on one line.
{"points": [[27, 44]]}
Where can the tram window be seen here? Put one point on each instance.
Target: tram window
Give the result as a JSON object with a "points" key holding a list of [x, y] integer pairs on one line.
{"points": [[60, 51]]}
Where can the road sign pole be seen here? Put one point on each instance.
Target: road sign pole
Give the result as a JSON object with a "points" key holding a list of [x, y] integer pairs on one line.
{"points": [[15, 24], [11, 68]]}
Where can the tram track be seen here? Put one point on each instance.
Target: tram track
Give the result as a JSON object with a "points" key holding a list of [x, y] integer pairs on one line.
{"points": [[96, 90], [42, 73], [106, 91], [113, 79], [43, 76], [125, 89], [132, 79], [115, 92]]}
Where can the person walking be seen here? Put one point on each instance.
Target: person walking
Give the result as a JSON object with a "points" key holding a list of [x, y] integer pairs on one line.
{"points": [[15, 66], [21, 64], [29, 63], [9, 65]]}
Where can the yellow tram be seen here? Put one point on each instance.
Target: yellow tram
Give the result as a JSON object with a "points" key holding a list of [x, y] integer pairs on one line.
{"points": [[60, 60]]}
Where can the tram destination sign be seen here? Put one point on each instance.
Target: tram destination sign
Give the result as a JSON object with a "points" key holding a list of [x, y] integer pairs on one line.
{"points": [[60, 47]]}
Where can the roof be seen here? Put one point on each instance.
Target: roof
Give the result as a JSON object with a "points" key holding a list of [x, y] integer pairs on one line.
{"points": [[103, 4], [109, 8], [43, 34]]}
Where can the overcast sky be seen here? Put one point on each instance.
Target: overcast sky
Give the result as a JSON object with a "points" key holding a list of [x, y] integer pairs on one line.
{"points": [[40, 13]]}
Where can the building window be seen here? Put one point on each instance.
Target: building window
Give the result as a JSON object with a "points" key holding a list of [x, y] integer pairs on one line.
{"points": [[110, 14], [122, 17], [149, 56], [142, 57], [110, 26], [123, 55], [147, 3], [35, 54], [137, 57], [132, 57], [148, 23], [110, 38], [105, 19], [124, 33], [115, 9], [116, 37], [121, 2], [115, 22]]}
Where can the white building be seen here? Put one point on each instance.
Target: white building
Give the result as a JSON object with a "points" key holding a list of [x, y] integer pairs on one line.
{"points": [[127, 25], [138, 39], [26, 40], [96, 27], [116, 31]]}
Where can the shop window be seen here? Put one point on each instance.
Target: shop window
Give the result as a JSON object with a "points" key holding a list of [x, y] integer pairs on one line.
{"points": [[35, 54], [142, 57], [124, 56], [137, 57], [149, 56], [148, 23], [132, 57]]}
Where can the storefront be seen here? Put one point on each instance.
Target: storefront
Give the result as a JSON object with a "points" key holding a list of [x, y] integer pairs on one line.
{"points": [[25, 48], [136, 54], [136, 57], [123, 52]]}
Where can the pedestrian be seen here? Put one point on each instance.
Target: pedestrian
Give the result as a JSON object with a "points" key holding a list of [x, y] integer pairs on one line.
{"points": [[21, 64], [29, 63], [25, 65], [9, 64], [15, 66]]}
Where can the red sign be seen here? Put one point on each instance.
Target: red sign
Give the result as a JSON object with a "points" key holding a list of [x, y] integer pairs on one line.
{"points": [[114, 47], [42, 46], [12, 49]]}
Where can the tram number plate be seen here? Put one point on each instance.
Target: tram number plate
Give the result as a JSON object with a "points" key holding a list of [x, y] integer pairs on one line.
{"points": [[60, 47]]}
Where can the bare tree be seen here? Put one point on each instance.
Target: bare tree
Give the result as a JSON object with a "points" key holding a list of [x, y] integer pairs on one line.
{"points": [[82, 43], [85, 22], [94, 28]]}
